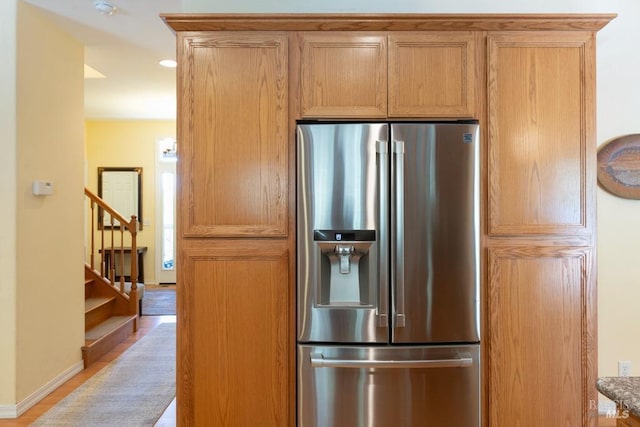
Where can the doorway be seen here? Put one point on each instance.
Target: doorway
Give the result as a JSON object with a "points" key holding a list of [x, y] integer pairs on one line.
{"points": [[166, 156]]}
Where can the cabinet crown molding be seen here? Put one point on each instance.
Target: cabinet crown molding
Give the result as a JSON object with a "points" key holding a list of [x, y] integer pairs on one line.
{"points": [[386, 22]]}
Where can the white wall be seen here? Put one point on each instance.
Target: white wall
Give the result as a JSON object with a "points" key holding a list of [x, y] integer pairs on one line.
{"points": [[618, 103], [618, 219], [401, 6]]}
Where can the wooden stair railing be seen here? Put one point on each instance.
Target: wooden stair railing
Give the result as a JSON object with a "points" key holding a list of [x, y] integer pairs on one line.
{"points": [[115, 233]]}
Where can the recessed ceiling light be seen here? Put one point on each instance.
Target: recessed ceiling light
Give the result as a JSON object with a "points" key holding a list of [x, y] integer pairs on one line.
{"points": [[169, 63], [104, 7]]}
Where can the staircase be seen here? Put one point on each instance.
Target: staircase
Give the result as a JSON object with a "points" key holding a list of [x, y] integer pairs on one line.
{"points": [[111, 312], [107, 322]]}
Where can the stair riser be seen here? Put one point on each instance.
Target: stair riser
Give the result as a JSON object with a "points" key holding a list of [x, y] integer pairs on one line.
{"points": [[88, 288], [98, 315], [100, 347]]}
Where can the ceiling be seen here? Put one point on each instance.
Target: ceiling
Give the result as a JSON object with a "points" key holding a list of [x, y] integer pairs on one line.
{"points": [[125, 47]]}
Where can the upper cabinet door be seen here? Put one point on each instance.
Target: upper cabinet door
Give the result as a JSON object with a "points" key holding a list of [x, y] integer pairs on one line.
{"points": [[233, 141], [541, 138], [432, 75], [343, 75]]}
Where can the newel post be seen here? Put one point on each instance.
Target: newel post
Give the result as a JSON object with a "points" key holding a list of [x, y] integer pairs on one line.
{"points": [[133, 295]]}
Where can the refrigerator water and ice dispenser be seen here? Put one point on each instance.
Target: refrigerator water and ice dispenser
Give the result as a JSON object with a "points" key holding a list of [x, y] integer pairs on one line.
{"points": [[346, 273]]}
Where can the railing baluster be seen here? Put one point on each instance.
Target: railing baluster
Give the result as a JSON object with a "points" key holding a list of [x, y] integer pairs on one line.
{"points": [[122, 257], [92, 249], [112, 258], [104, 269], [133, 302]]}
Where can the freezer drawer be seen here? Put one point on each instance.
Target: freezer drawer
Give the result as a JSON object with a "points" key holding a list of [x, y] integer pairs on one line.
{"points": [[388, 386]]}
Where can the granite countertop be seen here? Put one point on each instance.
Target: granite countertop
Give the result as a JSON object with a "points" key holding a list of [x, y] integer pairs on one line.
{"points": [[624, 391]]}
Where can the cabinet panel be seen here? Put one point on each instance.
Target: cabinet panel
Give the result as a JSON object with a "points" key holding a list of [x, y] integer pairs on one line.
{"points": [[541, 336], [541, 147], [343, 75], [630, 421], [233, 134], [236, 345], [432, 75]]}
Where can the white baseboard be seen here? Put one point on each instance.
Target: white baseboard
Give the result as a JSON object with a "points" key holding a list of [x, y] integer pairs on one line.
{"points": [[14, 411], [8, 411]]}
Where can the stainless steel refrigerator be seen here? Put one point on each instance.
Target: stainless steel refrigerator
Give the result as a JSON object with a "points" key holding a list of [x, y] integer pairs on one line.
{"points": [[388, 274]]}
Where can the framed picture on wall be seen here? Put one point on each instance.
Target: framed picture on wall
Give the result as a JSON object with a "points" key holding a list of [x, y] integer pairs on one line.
{"points": [[120, 188]]}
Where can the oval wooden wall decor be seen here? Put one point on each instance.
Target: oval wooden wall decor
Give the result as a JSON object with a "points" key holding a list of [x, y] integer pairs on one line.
{"points": [[619, 166]]}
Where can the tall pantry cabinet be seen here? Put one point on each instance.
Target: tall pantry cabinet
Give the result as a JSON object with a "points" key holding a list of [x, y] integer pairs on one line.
{"points": [[235, 310], [244, 80], [541, 295]]}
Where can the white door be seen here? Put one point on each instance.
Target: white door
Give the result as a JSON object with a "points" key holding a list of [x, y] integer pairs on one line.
{"points": [[120, 191], [165, 210]]}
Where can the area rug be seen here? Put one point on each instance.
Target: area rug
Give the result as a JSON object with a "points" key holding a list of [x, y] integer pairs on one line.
{"points": [[133, 390], [159, 301]]}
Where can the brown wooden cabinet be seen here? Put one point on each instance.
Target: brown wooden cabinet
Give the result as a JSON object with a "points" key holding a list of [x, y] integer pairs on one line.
{"points": [[234, 143], [343, 75], [539, 298], [433, 75], [377, 75], [244, 80], [541, 295], [541, 130], [630, 421], [235, 298], [235, 335]]}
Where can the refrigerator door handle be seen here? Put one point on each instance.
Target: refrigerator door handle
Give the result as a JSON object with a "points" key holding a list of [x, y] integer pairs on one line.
{"points": [[398, 226], [383, 269], [462, 361]]}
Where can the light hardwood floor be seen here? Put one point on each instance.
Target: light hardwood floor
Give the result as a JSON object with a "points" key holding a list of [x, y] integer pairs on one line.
{"points": [[146, 324], [168, 419]]}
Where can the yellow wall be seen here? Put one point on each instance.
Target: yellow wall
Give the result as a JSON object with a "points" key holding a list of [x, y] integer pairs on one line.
{"points": [[8, 281], [50, 236], [130, 143]]}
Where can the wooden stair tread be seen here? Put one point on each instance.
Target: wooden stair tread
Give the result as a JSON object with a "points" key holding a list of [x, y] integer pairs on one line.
{"points": [[106, 327], [92, 303]]}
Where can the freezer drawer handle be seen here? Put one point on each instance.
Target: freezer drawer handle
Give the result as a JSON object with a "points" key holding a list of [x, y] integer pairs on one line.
{"points": [[318, 361]]}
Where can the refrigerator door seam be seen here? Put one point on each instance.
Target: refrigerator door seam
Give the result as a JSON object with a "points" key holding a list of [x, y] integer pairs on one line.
{"points": [[398, 226]]}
